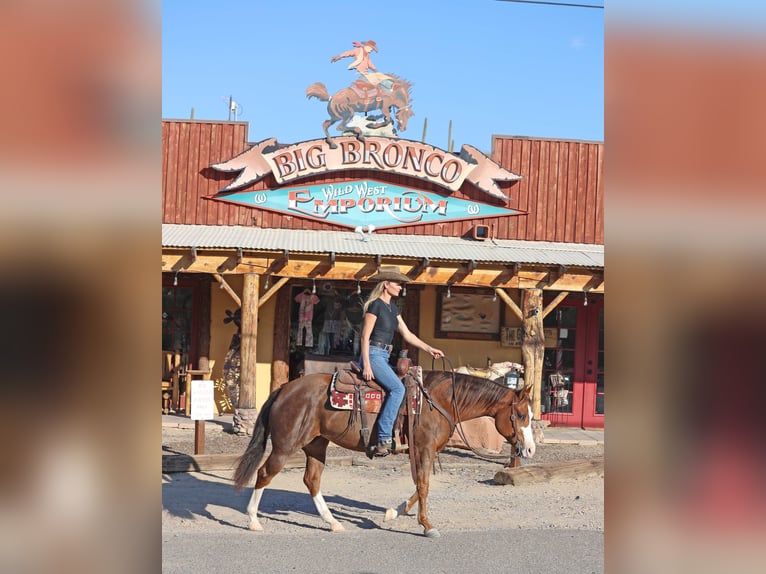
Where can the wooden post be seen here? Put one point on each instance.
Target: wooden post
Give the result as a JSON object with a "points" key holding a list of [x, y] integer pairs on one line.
{"points": [[248, 351], [280, 365], [533, 344], [199, 437]]}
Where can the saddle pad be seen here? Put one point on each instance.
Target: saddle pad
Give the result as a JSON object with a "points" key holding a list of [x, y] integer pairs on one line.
{"points": [[373, 400]]}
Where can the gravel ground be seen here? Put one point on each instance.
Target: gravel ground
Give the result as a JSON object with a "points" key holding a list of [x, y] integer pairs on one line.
{"points": [[462, 494]]}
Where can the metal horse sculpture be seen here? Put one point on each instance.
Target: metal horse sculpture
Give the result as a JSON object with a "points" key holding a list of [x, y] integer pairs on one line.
{"points": [[296, 416], [342, 106]]}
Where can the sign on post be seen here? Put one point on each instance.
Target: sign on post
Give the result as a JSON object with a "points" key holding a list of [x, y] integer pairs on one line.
{"points": [[202, 400]]}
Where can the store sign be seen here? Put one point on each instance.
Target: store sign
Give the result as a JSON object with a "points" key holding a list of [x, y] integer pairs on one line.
{"points": [[202, 407], [394, 156], [512, 336], [366, 202]]}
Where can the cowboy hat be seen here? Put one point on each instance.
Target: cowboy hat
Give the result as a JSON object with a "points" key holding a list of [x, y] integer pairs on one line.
{"points": [[371, 44], [390, 273]]}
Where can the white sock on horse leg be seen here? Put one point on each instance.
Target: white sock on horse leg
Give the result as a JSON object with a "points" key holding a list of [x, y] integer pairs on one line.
{"points": [[252, 509], [325, 513]]}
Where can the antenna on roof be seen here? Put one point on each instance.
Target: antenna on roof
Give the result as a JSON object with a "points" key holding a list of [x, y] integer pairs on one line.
{"points": [[234, 108]]}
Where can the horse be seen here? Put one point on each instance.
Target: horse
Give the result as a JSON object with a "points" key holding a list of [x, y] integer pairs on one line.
{"points": [[297, 416], [343, 104]]}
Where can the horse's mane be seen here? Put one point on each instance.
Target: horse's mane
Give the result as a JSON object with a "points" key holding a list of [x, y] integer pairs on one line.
{"points": [[471, 390], [399, 80]]}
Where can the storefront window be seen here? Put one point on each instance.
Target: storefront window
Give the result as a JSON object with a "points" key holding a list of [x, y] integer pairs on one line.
{"points": [[176, 318], [326, 323], [559, 361]]}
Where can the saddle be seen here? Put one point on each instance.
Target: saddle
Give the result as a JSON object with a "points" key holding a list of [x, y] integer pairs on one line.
{"points": [[367, 92], [349, 391]]}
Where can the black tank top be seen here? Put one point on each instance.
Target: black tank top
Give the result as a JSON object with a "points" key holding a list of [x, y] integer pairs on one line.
{"points": [[387, 322]]}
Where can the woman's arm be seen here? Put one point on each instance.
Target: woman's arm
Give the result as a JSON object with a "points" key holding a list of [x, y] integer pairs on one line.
{"points": [[367, 324], [410, 338]]}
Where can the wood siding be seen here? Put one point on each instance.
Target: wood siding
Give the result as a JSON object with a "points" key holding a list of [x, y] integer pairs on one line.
{"points": [[562, 189]]}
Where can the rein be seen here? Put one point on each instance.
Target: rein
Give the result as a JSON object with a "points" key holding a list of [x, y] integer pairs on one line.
{"points": [[488, 457]]}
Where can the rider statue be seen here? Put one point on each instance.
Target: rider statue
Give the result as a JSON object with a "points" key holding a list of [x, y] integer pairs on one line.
{"points": [[363, 64]]}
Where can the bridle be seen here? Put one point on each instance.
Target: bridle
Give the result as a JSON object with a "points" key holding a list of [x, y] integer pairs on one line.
{"points": [[513, 418]]}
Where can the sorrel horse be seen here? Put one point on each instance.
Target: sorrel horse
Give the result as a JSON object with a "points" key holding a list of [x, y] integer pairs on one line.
{"points": [[297, 416], [343, 104]]}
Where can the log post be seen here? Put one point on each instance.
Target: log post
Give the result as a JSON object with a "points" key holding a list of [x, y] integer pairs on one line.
{"points": [[246, 413], [533, 344]]}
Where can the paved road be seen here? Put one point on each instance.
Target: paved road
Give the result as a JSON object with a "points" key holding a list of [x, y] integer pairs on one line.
{"points": [[385, 551]]}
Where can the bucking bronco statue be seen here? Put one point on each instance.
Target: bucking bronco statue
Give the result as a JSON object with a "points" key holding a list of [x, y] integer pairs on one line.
{"points": [[372, 91]]}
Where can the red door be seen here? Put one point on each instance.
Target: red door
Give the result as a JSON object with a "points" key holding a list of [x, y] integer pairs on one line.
{"points": [[573, 370]]}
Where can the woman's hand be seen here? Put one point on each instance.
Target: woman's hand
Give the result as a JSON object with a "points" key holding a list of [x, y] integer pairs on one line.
{"points": [[435, 353], [367, 374]]}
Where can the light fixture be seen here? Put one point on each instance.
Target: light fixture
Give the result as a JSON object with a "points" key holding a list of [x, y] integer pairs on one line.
{"points": [[175, 279], [449, 291], [313, 286], [358, 288], [585, 299], [494, 296], [404, 290], [266, 284]]}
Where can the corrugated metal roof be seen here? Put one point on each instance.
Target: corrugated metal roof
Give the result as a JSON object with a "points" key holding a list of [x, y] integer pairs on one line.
{"points": [[414, 246]]}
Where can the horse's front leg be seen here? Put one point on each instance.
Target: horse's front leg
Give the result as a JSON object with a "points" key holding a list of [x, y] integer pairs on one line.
{"points": [[315, 460], [424, 466]]}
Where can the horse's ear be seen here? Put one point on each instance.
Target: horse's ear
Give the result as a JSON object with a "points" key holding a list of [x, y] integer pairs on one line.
{"points": [[523, 392]]}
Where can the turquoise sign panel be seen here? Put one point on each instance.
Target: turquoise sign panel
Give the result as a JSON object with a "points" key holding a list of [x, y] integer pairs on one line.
{"points": [[366, 202]]}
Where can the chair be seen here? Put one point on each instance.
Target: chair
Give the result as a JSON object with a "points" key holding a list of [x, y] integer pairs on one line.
{"points": [[171, 372]]}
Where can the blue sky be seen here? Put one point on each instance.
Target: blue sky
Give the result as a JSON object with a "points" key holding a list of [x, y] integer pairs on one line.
{"points": [[491, 67]]}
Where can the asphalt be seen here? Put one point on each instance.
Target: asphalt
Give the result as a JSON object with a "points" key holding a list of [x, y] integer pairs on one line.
{"points": [[552, 435]]}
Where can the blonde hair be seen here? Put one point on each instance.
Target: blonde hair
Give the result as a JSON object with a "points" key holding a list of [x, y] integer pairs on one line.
{"points": [[374, 295]]}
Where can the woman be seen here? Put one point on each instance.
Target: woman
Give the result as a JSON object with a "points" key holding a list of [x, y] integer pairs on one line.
{"points": [[381, 320]]}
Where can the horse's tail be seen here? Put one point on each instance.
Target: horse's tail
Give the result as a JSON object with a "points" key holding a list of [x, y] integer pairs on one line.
{"points": [[249, 461], [317, 90]]}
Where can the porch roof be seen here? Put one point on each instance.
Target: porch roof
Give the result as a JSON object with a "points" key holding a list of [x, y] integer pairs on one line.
{"points": [[501, 251]]}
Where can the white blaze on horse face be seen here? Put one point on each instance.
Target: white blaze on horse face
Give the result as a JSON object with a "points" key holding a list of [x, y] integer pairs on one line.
{"points": [[529, 440]]}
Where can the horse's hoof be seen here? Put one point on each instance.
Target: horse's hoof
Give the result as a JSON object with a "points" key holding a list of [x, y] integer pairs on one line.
{"points": [[337, 527], [255, 527], [432, 533], [390, 514]]}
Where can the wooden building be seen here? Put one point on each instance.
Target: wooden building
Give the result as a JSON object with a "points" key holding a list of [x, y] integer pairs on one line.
{"points": [[255, 226]]}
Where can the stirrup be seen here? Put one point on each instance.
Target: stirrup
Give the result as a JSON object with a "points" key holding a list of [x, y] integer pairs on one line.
{"points": [[384, 448]]}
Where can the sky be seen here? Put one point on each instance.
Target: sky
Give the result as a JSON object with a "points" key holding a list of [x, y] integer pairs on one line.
{"points": [[490, 67]]}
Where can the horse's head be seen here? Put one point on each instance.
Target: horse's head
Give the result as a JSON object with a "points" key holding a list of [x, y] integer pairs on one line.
{"points": [[514, 421], [402, 116]]}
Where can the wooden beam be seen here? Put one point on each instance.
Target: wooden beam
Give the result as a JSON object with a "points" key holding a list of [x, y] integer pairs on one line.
{"points": [[226, 287], [196, 463], [555, 303], [534, 473], [308, 266], [274, 288], [510, 302], [556, 273]]}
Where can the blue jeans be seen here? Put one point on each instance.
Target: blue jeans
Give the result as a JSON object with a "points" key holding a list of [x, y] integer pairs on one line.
{"points": [[387, 379]]}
